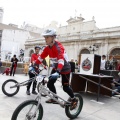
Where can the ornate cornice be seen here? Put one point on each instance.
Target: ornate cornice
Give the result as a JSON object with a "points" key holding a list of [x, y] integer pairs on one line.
{"points": [[79, 37]]}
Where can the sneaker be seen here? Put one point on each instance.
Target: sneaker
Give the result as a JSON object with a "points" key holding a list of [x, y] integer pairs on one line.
{"points": [[34, 92], [73, 103], [28, 92]]}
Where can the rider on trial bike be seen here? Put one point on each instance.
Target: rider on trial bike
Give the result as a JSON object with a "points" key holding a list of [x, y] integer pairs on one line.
{"points": [[61, 66], [34, 57]]}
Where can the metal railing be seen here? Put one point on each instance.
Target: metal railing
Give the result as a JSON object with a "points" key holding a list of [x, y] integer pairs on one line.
{"points": [[101, 85], [8, 64]]}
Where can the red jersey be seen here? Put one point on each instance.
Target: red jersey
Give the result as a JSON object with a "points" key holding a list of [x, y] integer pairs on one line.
{"points": [[34, 57], [58, 56], [7, 71]]}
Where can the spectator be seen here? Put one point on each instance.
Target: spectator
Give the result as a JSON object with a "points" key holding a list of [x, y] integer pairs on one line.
{"points": [[103, 61], [72, 64], [116, 85], [113, 63], [26, 66], [76, 66], [0, 64], [6, 71], [76, 62], [108, 65], [118, 67], [14, 61]]}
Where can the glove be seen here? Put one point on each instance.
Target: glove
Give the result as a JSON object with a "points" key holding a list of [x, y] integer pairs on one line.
{"points": [[54, 75], [31, 69]]}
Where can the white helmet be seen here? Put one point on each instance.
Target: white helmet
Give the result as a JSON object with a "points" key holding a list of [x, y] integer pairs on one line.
{"points": [[49, 32]]}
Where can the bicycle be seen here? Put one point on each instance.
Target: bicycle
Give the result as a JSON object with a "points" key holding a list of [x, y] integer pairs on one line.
{"points": [[11, 87], [35, 110]]}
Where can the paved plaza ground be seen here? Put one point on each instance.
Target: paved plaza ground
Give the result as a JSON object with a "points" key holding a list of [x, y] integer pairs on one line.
{"points": [[106, 109]]}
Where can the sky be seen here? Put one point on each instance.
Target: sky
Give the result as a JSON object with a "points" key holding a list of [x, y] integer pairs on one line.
{"points": [[42, 12]]}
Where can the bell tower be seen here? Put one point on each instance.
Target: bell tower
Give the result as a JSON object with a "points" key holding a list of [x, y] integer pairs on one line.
{"points": [[1, 14]]}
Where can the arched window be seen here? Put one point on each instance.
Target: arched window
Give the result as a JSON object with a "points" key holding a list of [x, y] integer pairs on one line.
{"points": [[115, 52], [85, 51]]}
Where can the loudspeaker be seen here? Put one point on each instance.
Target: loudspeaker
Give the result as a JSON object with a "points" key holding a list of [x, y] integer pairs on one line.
{"points": [[90, 64]]}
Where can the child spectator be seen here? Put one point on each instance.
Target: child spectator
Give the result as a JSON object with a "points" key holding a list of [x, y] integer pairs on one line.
{"points": [[6, 71], [26, 66]]}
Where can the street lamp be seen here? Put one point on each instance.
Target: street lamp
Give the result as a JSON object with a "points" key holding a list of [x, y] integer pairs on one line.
{"points": [[93, 48]]}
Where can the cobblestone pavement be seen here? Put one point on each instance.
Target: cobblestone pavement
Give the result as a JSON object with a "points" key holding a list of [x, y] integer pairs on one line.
{"points": [[106, 109]]}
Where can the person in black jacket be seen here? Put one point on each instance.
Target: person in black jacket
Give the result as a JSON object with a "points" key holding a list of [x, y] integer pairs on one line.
{"points": [[72, 63], [116, 85], [14, 61]]}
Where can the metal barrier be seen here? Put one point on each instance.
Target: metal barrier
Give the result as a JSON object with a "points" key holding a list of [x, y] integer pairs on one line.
{"points": [[8, 64], [100, 85]]}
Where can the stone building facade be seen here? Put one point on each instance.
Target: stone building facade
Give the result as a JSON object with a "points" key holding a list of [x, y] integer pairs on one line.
{"points": [[80, 37], [12, 40], [1, 14]]}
